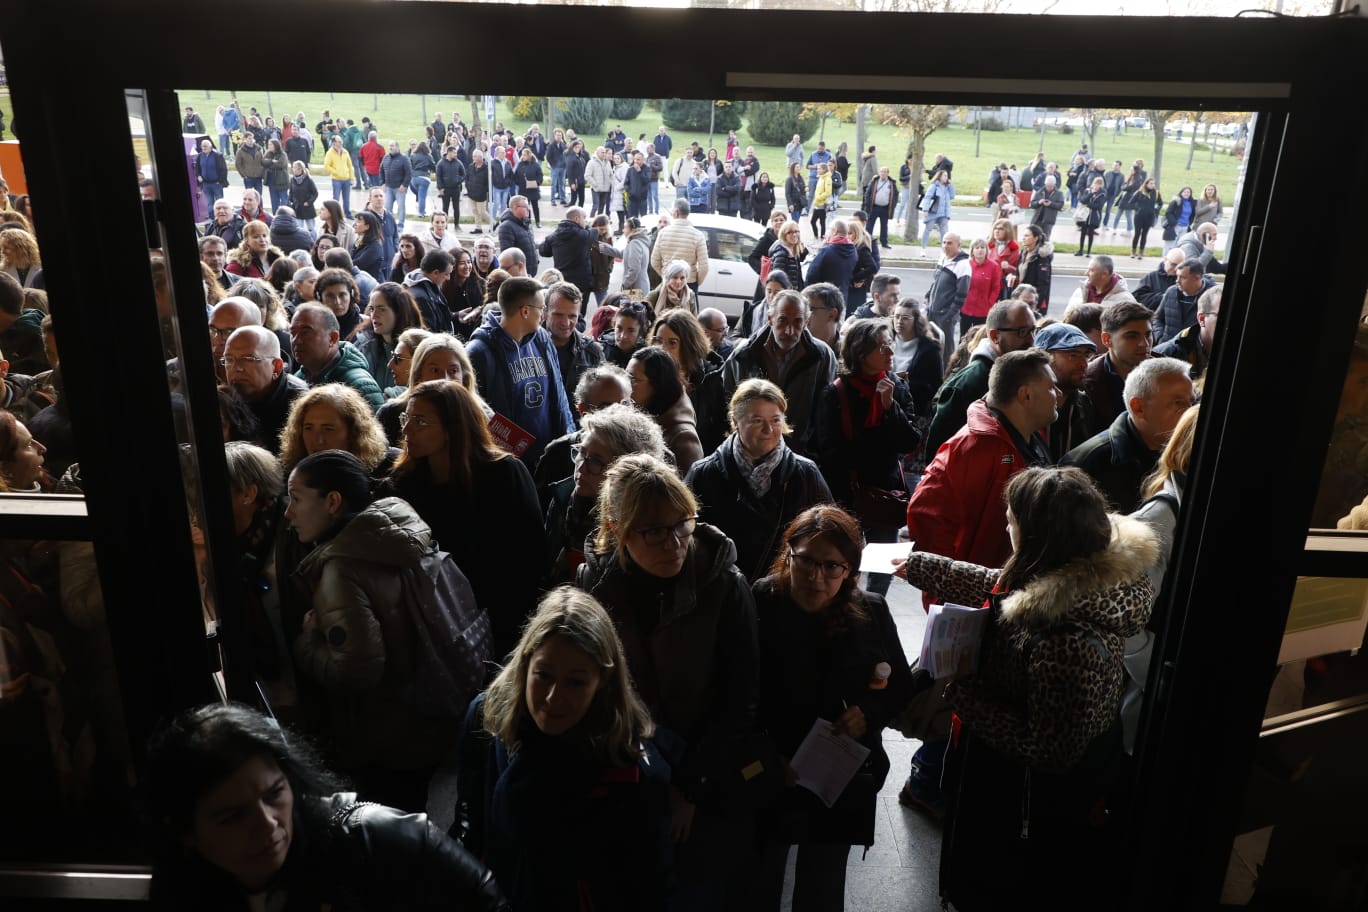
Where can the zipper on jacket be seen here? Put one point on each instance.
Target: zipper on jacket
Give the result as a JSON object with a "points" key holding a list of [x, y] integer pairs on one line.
{"points": [[1026, 804]]}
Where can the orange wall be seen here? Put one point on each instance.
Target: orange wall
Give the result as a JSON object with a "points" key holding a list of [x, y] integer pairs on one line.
{"points": [[12, 167]]}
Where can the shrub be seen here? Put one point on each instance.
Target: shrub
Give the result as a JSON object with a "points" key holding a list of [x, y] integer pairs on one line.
{"points": [[989, 124], [627, 108], [773, 123], [528, 107], [585, 115], [1065, 129], [693, 114]]}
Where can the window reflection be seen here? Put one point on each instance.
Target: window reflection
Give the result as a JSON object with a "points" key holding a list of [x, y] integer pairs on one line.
{"points": [[1342, 499]]}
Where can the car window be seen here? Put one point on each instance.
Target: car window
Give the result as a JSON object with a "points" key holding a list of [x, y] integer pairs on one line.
{"points": [[731, 245]]}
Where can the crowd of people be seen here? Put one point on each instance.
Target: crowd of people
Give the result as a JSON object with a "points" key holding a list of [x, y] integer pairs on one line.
{"points": [[610, 557]]}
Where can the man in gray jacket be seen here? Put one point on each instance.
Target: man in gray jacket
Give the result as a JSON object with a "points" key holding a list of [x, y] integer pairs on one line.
{"points": [[949, 288]]}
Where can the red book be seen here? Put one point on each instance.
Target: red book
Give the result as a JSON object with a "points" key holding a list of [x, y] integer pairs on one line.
{"points": [[510, 436]]}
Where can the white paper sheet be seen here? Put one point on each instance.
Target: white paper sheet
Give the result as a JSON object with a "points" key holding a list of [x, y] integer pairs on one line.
{"points": [[878, 557], [951, 641], [826, 761]]}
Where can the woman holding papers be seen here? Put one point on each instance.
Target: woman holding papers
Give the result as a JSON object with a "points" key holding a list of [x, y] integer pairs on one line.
{"points": [[1037, 731], [828, 651]]}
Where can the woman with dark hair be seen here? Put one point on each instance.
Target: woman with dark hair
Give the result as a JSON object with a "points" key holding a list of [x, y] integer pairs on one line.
{"points": [[562, 756], [478, 498], [795, 192], [303, 193], [320, 249], [336, 290], [371, 567], [762, 198], [917, 355], [369, 254], [1094, 197], [657, 388], [464, 292], [423, 165], [687, 623], [1178, 217], [407, 258], [281, 274], [1037, 265], [244, 815], [628, 335], [752, 484], [1146, 205], [391, 311], [829, 651], [865, 424], [700, 369], [331, 221], [527, 176], [277, 165], [1028, 773]]}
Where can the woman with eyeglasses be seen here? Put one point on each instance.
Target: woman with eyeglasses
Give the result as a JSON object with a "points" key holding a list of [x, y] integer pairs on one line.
{"points": [[865, 425], [687, 623], [477, 497], [391, 312], [571, 504], [829, 651], [752, 485], [434, 356]]}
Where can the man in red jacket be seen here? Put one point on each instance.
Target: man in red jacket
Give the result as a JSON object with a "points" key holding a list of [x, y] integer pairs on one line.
{"points": [[957, 509], [372, 153]]}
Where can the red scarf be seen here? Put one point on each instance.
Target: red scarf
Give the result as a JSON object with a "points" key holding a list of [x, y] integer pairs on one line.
{"points": [[864, 385], [1095, 297]]}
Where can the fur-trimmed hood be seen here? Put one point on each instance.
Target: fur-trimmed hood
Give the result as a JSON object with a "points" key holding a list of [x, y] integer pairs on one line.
{"points": [[1090, 589]]}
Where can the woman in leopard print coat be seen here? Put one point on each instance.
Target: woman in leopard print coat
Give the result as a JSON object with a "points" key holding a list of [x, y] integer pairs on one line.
{"points": [[1037, 735]]}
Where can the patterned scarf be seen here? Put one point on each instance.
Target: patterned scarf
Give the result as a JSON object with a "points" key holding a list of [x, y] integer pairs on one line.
{"points": [[757, 474]]}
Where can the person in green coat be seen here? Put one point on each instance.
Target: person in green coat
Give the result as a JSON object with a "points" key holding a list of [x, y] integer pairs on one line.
{"points": [[315, 342]]}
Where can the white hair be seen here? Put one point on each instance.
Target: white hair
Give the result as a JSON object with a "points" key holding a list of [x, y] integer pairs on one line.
{"points": [[1143, 382]]}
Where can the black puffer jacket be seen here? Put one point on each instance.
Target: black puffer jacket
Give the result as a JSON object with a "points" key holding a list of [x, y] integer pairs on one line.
{"points": [[754, 524], [350, 855], [690, 643]]}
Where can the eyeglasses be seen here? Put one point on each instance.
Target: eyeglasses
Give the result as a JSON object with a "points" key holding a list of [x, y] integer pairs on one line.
{"points": [[810, 565], [242, 363], [592, 464], [417, 421], [217, 333], [397, 358], [1021, 332], [681, 532]]}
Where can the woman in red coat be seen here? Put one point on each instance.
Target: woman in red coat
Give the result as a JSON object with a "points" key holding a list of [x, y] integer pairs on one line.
{"points": [[985, 285], [1004, 250], [252, 259]]}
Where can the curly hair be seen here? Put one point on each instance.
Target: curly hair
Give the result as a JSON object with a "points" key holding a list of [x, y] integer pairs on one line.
{"points": [[365, 437]]}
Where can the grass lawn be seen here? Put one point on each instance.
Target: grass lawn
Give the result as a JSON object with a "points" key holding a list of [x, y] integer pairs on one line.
{"points": [[403, 117]]}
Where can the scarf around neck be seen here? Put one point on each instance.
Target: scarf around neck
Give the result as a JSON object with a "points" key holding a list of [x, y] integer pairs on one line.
{"points": [[757, 474], [865, 385]]}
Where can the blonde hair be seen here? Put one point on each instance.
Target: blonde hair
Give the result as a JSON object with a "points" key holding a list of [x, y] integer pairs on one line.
{"points": [[1004, 223], [365, 438], [436, 342], [1177, 455], [757, 390], [857, 233], [616, 721], [23, 250], [633, 485]]}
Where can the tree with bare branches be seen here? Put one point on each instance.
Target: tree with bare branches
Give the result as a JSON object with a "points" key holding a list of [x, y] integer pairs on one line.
{"points": [[919, 121]]}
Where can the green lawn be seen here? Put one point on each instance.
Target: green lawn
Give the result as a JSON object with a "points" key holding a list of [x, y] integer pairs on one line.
{"points": [[403, 117]]}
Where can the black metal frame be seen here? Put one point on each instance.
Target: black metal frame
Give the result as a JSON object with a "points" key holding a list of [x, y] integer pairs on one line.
{"points": [[1268, 408]]}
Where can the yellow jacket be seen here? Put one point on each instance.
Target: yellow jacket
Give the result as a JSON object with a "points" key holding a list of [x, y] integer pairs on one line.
{"points": [[822, 195], [338, 165]]}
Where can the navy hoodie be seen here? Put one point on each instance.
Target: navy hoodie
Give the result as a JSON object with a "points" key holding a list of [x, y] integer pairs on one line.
{"points": [[521, 380], [834, 263]]}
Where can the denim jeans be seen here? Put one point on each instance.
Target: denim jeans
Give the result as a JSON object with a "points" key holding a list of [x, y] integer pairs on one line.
{"points": [[224, 141], [393, 194], [253, 183], [309, 227], [653, 197], [901, 211], [342, 193], [420, 189], [279, 198], [360, 171], [558, 184], [1130, 221], [212, 192], [601, 202], [939, 225], [878, 215], [636, 208], [498, 201]]}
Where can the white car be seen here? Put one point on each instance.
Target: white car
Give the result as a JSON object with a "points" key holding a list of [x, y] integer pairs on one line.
{"points": [[730, 281]]}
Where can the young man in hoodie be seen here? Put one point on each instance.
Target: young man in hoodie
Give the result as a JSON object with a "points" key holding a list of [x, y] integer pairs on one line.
{"points": [[517, 368], [949, 288]]}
